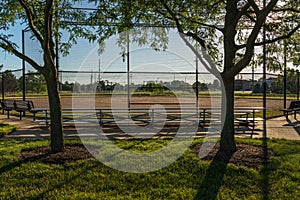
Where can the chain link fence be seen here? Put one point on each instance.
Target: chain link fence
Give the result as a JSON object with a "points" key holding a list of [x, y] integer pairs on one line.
{"points": [[248, 86]]}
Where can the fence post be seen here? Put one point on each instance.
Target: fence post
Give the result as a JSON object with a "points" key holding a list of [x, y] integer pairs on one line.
{"points": [[3, 80], [298, 84], [23, 66], [284, 77]]}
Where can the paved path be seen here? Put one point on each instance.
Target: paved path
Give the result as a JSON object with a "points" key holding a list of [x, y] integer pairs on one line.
{"points": [[281, 128], [27, 128]]}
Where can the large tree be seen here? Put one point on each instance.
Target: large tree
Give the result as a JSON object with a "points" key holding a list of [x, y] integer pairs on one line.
{"points": [[46, 21], [239, 25]]}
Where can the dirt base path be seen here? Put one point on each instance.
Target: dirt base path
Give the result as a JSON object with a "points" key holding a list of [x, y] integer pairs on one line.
{"points": [[121, 101]]}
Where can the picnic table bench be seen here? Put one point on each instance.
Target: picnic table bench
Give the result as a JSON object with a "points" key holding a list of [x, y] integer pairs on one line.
{"points": [[293, 108]]}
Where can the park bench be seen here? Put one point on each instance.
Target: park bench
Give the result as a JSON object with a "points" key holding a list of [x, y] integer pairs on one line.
{"points": [[293, 108], [21, 107], [7, 105], [32, 109]]}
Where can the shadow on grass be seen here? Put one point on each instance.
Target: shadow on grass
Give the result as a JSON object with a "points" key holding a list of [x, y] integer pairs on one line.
{"points": [[212, 181], [62, 183], [265, 171], [13, 165]]}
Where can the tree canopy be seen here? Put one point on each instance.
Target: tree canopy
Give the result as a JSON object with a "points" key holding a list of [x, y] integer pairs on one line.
{"points": [[46, 20], [239, 26]]}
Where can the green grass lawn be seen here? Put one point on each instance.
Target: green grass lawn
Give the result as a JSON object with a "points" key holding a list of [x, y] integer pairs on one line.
{"points": [[187, 178], [269, 113], [6, 129]]}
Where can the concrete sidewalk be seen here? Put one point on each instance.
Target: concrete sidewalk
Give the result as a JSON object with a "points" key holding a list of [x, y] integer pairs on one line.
{"points": [[28, 129], [282, 128]]}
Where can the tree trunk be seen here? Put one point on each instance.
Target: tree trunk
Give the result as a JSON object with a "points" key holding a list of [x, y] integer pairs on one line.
{"points": [[57, 138], [227, 144]]}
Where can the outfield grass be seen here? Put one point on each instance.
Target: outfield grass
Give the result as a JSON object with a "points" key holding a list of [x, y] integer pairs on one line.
{"points": [[237, 94], [187, 178], [269, 114]]}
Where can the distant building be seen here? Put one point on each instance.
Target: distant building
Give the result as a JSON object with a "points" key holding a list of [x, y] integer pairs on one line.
{"points": [[269, 81], [243, 85]]}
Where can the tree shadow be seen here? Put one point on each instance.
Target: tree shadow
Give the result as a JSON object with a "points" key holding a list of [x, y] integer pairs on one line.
{"points": [[265, 171], [10, 166], [212, 181], [297, 129], [13, 165], [294, 124], [62, 183]]}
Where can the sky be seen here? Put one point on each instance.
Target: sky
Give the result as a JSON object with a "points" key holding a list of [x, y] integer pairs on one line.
{"points": [[84, 57]]}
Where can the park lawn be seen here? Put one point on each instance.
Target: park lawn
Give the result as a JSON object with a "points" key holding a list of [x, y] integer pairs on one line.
{"points": [[6, 129], [187, 178]]}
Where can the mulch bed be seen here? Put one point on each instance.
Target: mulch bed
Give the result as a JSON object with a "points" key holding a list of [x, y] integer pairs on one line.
{"points": [[71, 153], [246, 155]]}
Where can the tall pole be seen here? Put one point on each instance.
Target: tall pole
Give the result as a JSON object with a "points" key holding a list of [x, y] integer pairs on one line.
{"points": [[99, 70], [23, 67], [264, 81], [197, 80], [252, 83], [298, 81], [57, 61], [128, 75], [284, 75], [3, 93]]}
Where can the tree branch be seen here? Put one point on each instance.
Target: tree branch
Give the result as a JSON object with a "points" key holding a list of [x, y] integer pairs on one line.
{"points": [[204, 59], [6, 45], [286, 10], [244, 10], [254, 6], [261, 18], [275, 39], [180, 29], [48, 43], [203, 24], [250, 17], [178, 25], [31, 18]]}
